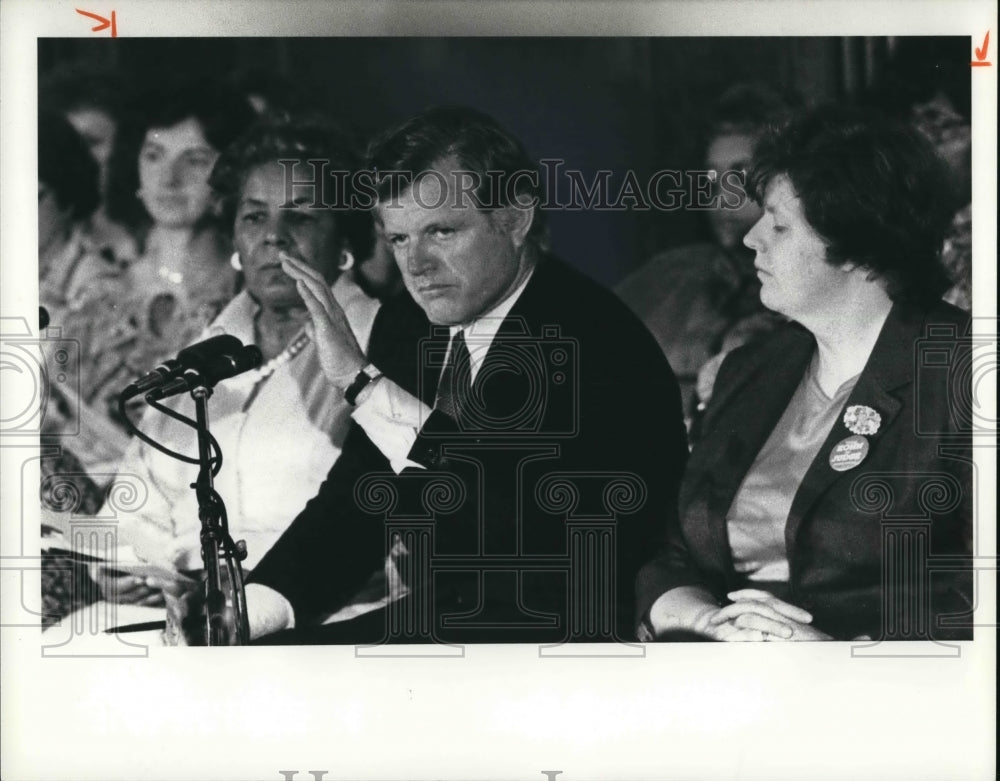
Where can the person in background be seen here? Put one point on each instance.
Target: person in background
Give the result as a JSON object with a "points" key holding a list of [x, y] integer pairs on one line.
{"points": [[951, 134], [72, 278], [273, 93], [701, 300], [281, 426], [93, 100], [69, 266], [927, 84], [823, 430], [69, 271], [183, 277]]}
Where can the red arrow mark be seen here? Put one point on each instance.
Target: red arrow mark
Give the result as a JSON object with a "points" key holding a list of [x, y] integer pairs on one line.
{"points": [[104, 23]]}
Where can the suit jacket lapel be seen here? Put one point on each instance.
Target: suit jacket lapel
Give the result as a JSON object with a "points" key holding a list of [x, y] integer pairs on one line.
{"points": [[519, 326], [889, 367]]}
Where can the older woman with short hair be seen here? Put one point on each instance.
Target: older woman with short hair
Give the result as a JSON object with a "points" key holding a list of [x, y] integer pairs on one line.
{"points": [[281, 426], [819, 436]]}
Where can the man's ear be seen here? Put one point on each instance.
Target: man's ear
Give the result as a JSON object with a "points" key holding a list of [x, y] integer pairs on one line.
{"points": [[516, 222]]}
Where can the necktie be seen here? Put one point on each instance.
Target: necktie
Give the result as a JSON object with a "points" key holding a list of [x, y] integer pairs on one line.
{"points": [[456, 379]]}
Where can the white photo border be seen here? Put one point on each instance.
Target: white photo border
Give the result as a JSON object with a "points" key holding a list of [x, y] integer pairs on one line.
{"points": [[685, 711]]}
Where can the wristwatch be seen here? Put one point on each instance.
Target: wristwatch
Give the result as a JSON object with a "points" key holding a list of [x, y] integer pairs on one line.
{"points": [[364, 377]]}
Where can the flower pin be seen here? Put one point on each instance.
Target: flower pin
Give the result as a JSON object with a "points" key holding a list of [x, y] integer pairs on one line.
{"points": [[862, 420]]}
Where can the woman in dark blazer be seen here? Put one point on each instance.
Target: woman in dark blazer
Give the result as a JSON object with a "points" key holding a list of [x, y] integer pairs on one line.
{"points": [[831, 494]]}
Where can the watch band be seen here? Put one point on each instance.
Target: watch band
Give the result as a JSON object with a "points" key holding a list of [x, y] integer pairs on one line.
{"points": [[368, 374]]}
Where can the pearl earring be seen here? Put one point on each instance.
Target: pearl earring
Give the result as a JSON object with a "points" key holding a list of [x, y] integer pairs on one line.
{"points": [[235, 262], [346, 261]]}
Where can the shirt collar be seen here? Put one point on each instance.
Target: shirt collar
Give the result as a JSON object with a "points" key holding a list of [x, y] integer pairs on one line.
{"points": [[481, 332]]}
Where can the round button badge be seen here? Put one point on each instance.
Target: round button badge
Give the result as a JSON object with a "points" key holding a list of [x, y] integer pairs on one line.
{"points": [[848, 453]]}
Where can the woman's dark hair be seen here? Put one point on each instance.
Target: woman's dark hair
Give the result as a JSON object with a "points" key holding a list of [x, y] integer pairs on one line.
{"points": [[312, 148], [874, 189], [502, 169], [747, 108], [66, 166], [921, 67], [279, 92], [221, 113], [76, 85]]}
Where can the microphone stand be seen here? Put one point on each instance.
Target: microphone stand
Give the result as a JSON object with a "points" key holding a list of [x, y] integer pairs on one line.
{"points": [[197, 369], [224, 624]]}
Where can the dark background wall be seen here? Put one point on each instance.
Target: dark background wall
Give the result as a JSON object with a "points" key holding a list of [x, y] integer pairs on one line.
{"points": [[596, 103]]}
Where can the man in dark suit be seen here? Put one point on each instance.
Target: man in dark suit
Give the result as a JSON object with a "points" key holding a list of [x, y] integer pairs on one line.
{"points": [[518, 440]]}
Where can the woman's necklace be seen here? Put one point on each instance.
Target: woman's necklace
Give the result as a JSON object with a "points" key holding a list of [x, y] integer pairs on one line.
{"points": [[255, 379], [296, 346]]}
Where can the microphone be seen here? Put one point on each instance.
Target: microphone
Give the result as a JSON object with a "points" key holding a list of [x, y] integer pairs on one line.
{"points": [[157, 376], [213, 371], [194, 358]]}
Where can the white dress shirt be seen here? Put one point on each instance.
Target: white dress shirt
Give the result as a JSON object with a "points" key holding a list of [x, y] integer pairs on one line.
{"points": [[392, 417], [280, 428]]}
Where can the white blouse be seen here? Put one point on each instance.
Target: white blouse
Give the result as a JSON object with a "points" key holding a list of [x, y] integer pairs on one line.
{"points": [[280, 429]]}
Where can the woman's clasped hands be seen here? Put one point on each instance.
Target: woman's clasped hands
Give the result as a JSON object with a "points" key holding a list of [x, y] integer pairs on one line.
{"points": [[692, 612], [755, 614]]}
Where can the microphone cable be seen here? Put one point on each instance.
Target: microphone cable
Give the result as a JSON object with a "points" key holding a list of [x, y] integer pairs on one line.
{"points": [[216, 458]]}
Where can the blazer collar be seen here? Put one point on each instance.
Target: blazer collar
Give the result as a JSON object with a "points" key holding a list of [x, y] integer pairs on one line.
{"points": [[889, 367], [777, 370]]}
